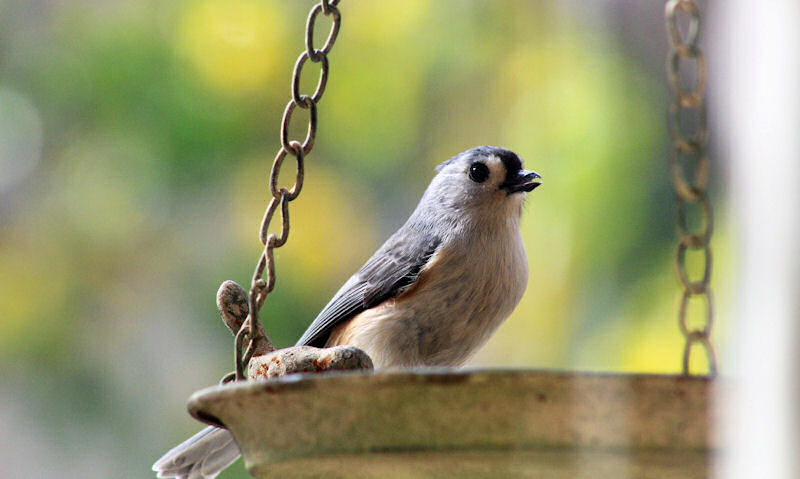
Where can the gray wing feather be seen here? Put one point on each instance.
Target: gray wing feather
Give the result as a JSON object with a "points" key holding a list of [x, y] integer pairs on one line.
{"points": [[393, 268], [202, 456]]}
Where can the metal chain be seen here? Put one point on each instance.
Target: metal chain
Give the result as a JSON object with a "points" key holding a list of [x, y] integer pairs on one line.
{"points": [[689, 154], [259, 287]]}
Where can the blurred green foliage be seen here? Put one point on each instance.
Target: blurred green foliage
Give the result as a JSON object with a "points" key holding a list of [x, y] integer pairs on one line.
{"points": [[135, 139]]}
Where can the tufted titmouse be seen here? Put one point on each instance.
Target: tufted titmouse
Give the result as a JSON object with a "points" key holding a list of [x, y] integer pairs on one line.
{"points": [[430, 296]]}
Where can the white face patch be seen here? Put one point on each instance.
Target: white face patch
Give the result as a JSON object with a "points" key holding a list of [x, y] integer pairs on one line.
{"points": [[497, 171]]}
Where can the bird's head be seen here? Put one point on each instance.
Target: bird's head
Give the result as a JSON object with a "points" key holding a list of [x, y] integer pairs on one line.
{"points": [[485, 179]]}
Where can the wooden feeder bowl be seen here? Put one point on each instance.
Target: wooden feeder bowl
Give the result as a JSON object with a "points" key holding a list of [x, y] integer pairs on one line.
{"points": [[446, 423]]}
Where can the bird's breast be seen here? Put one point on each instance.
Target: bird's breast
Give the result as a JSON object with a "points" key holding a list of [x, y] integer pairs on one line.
{"points": [[463, 293]]}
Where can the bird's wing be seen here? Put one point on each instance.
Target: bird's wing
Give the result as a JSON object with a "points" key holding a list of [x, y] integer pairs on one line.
{"points": [[392, 269]]}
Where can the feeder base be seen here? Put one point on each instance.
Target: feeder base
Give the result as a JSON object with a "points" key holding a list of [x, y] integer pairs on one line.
{"points": [[444, 423]]}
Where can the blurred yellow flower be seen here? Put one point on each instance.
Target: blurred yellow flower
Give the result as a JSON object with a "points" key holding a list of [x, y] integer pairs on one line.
{"points": [[233, 45]]}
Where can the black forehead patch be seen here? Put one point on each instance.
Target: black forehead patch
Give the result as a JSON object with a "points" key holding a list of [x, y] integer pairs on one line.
{"points": [[510, 159]]}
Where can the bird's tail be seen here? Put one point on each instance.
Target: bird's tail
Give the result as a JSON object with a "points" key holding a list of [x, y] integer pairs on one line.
{"points": [[202, 456]]}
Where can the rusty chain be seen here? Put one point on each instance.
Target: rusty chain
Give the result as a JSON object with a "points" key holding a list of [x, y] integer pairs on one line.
{"points": [[689, 154], [249, 334]]}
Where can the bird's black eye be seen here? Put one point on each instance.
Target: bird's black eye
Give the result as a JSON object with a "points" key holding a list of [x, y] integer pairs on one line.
{"points": [[478, 172]]}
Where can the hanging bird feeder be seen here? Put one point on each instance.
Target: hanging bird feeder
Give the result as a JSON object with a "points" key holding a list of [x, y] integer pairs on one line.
{"points": [[462, 423], [454, 424]]}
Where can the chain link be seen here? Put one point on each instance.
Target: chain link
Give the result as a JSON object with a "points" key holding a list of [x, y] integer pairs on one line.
{"points": [[311, 133], [326, 9], [249, 335], [690, 153]]}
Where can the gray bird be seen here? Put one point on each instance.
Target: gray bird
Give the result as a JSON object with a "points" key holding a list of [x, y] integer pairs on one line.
{"points": [[430, 296]]}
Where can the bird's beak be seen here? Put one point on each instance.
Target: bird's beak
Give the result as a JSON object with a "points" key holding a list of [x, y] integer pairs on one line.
{"points": [[524, 180]]}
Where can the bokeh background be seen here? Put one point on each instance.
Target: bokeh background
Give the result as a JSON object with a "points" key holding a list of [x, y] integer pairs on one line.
{"points": [[135, 142]]}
